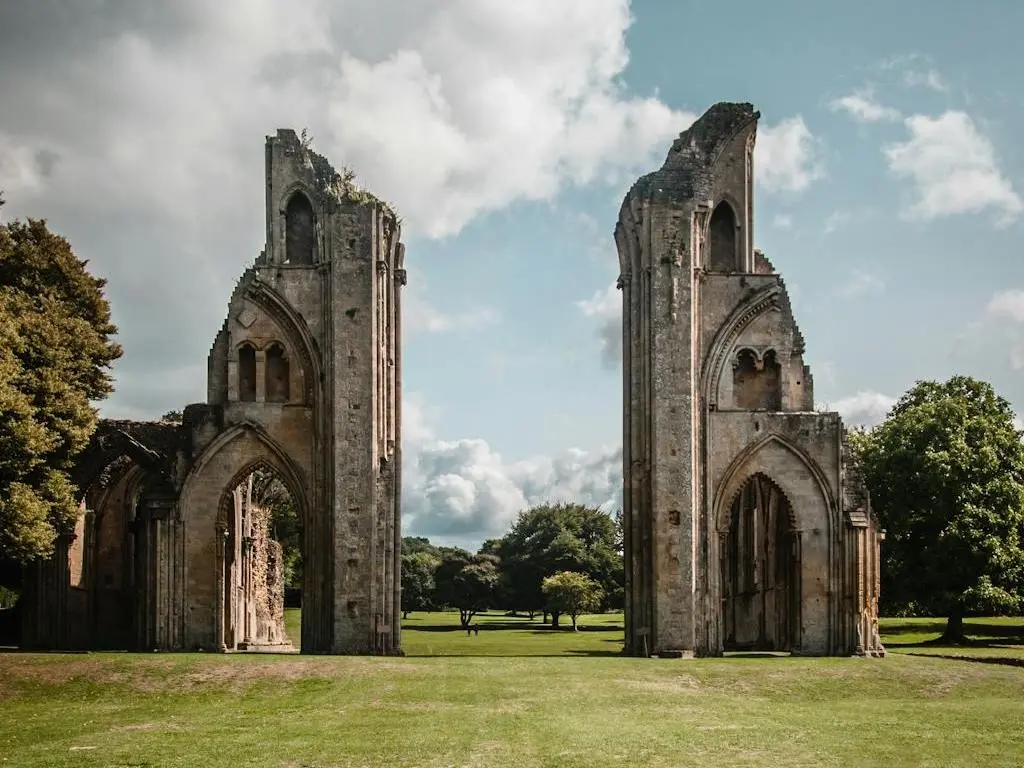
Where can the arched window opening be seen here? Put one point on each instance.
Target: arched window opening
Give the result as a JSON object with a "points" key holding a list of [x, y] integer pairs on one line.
{"points": [[300, 233], [262, 565], [722, 234], [757, 383], [247, 373], [761, 570], [277, 374]]}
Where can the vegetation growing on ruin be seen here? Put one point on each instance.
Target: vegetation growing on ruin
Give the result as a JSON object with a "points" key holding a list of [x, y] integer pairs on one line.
{"points": [[341, 186]]}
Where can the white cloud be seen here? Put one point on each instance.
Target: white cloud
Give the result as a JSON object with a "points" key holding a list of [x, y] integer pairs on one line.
{"points": [[1003, 325], [928, 79], [606, 307], [953, 169], [865, 408], [1007, 305], [862, 106], [782, 221], [463, 491], [862, 283], [446, 108], [23, 168], [787, 156]]}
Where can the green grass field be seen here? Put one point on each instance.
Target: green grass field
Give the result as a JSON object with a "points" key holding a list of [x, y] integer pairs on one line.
{"points": [[518, 694]]}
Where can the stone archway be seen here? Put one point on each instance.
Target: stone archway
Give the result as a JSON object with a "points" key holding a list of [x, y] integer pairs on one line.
{"points": [[760, 570], [205, 499], [791, 476], [251, 565]]}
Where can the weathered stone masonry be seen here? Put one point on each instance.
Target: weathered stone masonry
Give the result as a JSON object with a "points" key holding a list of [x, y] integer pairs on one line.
{"points": [[746, 527], [304, 380]]}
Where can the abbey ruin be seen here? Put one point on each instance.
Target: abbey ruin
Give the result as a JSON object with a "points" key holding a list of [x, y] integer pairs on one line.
{"points": [[304, 383], [746, 526]]}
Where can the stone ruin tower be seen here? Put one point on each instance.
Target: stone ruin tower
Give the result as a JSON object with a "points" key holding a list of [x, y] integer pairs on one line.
{"points": [[304, 381], [746, 526], [305, 376]]}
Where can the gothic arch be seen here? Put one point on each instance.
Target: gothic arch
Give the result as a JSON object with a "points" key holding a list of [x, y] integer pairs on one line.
{"points": [[723, 237], [766, 300], [300, 236], [246, 384], [277, 373], [273, 455], [805, 487], [297, 335], [755, 459]]}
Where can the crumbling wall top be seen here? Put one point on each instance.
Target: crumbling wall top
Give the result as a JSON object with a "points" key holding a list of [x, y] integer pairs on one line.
{"points": [[686, 170], [328, 182]]}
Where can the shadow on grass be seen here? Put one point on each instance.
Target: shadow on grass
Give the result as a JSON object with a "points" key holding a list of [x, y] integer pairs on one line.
{"points": [[979, 635], [499, 626], [1006, 661], [568, 653]]}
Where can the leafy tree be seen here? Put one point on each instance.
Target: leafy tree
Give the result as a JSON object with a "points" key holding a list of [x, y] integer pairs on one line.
{"points": [[413, 544], [464, 581], [55, 355], [551, 538], [474, 589], [571, 593], [175, 417], [451, 561], [946, 476], [417, 582]]}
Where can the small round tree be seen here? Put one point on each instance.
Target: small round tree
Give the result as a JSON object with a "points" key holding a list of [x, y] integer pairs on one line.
{"points": [[571, 593]]}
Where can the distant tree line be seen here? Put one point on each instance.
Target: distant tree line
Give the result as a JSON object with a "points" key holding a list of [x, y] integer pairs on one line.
{"points": [[556, 560]]}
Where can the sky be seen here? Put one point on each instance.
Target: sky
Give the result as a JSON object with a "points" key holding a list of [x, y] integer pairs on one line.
{"points": [[889, 171]]}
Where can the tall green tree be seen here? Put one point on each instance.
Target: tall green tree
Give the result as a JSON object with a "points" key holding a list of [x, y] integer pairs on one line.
{"points": [[551, 538], [465, 581], [56, 349], [946, 476], [418, 581]]}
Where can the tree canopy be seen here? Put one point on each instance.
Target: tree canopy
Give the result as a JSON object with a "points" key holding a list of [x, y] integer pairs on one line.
{"points": [[465, 581], [56, 349], [418, 581], [551, 538], [946, 475], [571, 593]]}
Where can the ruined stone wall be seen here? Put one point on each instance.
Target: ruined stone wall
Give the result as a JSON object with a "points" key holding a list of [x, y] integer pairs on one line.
{"points": [[715, 390], [267, 579]]}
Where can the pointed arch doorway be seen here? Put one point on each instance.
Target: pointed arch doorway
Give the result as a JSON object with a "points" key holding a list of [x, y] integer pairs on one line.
{"points": [[760, 567]]}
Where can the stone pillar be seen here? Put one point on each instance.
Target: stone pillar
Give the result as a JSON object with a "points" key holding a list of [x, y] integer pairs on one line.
{"points": [[261, 376]]}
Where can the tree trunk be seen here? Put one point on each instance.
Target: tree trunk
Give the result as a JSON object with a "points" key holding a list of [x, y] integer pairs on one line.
{"points": [[954, 634], [574, 627], [544, 619], [554, 620], [405, 614]]}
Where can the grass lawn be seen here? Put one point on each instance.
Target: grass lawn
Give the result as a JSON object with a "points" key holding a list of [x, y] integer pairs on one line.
{"points": [[520, 695]]}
